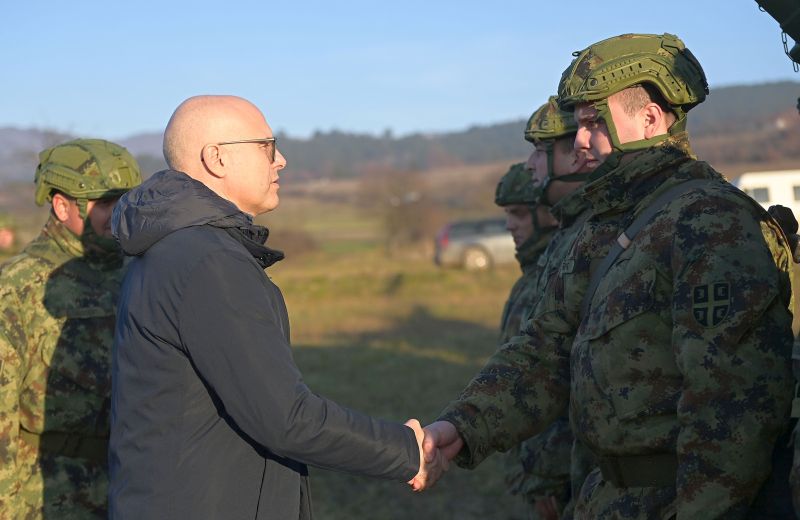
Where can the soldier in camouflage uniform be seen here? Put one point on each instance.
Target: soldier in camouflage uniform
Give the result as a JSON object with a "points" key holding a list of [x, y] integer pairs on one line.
{"points": [[57, 308], [531, 227], [539, 468], [676, 358]]}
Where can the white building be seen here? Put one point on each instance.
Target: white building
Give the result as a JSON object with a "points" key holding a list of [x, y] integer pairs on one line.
{"points": [[772, 187]]}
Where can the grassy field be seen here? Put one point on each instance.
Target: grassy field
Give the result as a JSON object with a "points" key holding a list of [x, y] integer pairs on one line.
{"points": [[391, 336], [395, 338]]}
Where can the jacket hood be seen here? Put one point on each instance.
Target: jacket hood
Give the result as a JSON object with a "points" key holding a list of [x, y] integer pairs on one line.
{"points": [[168, 201]]}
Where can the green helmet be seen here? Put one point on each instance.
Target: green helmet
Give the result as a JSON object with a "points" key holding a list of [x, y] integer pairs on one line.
{"points": [[516, 187], [617, 63], [550, 122], [545, 126], [630, 59], [86, 169]]}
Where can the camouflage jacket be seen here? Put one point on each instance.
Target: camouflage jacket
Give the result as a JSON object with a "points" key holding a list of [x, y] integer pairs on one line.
{"points": [[524, 293], [539, 466], [648, 370], [57, 307]]}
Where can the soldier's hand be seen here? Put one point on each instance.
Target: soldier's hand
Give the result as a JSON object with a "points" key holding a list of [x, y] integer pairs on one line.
{"points": [[443, 436], [431, 465]]}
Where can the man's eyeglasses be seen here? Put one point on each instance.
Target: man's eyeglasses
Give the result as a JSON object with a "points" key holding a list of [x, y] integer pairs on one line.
{"points": [[267, 141]]}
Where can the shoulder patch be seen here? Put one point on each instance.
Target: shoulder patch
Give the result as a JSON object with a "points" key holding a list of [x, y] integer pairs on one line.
{"points": [[711, 303]]}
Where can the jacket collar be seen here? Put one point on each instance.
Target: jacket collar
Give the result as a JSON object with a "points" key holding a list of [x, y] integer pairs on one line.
{"points": [[637, 174]]}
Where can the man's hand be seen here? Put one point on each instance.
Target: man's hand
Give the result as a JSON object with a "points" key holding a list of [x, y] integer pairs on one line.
{"points": [[439, 443], [443, 436], [431, 464]]}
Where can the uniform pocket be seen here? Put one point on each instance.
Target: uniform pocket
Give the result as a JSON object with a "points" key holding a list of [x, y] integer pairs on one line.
{"points": [[619, 299]]}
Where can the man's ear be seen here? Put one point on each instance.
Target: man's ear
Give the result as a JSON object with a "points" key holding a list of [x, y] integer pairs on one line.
{"points": [[215, 159], [60, 205], [654, 120]]}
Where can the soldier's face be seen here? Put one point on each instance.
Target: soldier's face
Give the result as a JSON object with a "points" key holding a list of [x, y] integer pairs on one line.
{"points": [[537, 163], [592, 141], [99, 215], [6, 238], [566, 160], [519, 223]]}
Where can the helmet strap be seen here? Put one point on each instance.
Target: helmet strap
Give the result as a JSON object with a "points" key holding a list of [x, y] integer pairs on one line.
{"points": [[549, 178], [604, 113], [538, 228], [82, 204]]}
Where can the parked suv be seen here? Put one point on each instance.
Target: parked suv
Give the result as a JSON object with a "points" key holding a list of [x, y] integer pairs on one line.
{"points": [[475, 245]]}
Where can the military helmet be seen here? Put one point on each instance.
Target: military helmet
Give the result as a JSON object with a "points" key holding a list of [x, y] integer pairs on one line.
{"points": [[516, 187], [620, 62], [550, 122], [86, 169]]}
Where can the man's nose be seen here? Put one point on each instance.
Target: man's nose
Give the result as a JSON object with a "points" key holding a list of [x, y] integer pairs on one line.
{"points": [[530, 164], [581, 139], [280, 160]]}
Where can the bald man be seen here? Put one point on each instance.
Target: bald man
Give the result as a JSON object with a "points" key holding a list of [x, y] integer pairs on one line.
{"points": [[210, 415]]}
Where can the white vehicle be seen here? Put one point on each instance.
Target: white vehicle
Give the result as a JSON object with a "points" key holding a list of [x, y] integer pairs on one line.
{"points": [[772, 187]]}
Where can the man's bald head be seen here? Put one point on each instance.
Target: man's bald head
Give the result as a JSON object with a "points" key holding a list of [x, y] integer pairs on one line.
{"points": [[204, 138], [202, 120]]}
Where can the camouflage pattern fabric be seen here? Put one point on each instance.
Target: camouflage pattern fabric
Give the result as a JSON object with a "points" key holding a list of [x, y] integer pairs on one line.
{"points": [[57, 306], [540, 466], [685, 349], [524, 292]]}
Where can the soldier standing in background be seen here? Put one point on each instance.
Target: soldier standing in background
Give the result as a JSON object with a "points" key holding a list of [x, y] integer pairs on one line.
{"points": [[673, 346], [57, 310], [531, 226], [539, 468]]}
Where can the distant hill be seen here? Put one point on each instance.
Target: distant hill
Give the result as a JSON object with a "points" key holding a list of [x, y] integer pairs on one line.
{"points": [[739, 124]]}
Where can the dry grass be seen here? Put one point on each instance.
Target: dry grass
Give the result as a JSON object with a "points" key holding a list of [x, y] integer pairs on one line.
{"points": [[395, 338]]}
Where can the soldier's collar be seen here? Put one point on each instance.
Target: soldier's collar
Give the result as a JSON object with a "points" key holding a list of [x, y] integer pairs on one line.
{"points": [[568, 208], [635, 174], [74, 246], [529, 252]]}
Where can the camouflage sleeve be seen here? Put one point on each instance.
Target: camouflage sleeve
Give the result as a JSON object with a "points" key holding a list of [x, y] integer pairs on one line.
{"points": [[11, 335], [522, 388], [732, 341]]}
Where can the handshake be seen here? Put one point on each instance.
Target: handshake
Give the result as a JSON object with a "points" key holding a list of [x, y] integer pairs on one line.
{"points": [[439, 443]]}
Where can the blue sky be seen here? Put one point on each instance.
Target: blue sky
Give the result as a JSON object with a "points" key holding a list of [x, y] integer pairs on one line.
{"points": [[93, 69]]}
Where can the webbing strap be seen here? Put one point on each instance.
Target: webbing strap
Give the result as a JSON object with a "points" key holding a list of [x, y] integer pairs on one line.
{"points": [[626, 237]]}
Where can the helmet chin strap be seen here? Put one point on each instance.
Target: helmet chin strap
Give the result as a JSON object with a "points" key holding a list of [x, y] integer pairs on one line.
{"points": [[604, 113], [549, 178], [83, 204], [538, 229]]}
